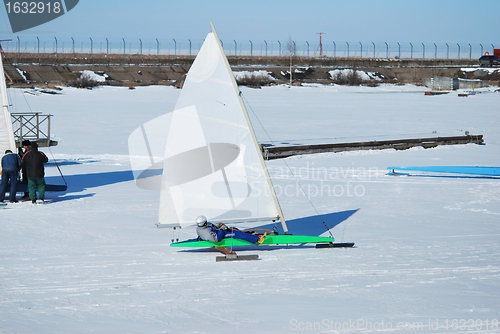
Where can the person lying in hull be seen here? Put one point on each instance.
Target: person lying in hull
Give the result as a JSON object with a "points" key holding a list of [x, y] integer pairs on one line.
{"points": [[215, 233]]}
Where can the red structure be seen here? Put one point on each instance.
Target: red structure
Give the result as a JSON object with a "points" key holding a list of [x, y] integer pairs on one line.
{"points": [[320, 47]]}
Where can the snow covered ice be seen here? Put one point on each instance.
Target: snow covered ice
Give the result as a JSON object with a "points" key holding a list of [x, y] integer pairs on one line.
{"points": [[427, 256]]}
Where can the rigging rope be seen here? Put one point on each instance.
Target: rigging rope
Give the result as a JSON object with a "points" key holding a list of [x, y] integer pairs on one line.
{"points": [[57, 165], [258, 229], [286, 164], [29, 107], [345, 225]]}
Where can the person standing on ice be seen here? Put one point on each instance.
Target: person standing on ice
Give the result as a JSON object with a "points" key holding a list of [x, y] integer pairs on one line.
{"points": [[21, 152], [11, 164], [210, 232], [33, 162]]}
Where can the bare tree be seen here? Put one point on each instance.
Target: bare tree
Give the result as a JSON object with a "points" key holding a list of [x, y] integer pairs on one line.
{"points": [[85, 81], [291, 49], [349, 77]]}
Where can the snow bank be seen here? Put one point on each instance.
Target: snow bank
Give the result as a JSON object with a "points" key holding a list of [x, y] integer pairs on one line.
{"points": [[364, 76], [488, 70], [238, 75], [22, 73], [94, 76]]}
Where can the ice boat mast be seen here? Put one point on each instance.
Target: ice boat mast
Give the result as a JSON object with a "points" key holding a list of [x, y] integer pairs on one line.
{"points": [[212, 163], [252, 132]]}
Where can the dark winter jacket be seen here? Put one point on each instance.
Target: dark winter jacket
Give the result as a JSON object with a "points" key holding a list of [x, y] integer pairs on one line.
{"points": [[11, 162], [33, 162]]}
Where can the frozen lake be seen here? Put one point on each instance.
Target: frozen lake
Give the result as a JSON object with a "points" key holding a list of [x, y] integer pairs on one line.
{"points": [[427, 256]]}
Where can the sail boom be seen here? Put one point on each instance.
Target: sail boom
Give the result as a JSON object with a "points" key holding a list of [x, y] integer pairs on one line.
{"points": [[227, 221]]}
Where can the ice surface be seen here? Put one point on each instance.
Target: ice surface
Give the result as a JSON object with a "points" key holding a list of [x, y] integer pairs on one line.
{"points": [[427, 250]]}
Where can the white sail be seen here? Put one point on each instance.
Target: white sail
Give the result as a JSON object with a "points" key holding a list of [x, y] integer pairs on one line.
{"points": [[7, 141], [146, 151], [212, 164]]}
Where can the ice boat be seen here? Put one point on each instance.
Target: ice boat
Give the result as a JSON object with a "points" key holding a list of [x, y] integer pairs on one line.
{"points": [[212, 163]]}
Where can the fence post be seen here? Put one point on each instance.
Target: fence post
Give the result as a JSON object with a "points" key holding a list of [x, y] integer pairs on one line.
{"points": [[21, 128], [48, 131], [37, 126]]}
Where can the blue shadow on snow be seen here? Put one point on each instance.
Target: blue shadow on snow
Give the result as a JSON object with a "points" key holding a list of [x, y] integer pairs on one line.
{"points": [[313, 225], [81, 182]]}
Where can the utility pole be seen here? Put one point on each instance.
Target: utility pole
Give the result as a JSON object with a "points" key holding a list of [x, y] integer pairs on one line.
{"points": [[320, 47], [291, 48]]}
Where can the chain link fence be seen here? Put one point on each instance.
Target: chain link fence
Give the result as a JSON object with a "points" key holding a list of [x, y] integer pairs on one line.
{"points": [[252, 48]]}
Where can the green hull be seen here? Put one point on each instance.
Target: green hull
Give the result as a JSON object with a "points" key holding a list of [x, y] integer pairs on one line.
{"points": [[269, 240]]}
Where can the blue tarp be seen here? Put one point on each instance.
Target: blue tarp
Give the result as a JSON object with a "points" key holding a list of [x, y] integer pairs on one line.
{"points": [[474, 170]]}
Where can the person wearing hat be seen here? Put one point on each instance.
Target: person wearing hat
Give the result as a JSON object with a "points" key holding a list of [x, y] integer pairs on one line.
{"points": [[32, 163], [215, 233], [208, 231], [21, 152], [11, 164]]}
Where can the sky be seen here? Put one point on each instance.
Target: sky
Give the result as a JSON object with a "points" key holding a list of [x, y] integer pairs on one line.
{"points": [[429, 21]]}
